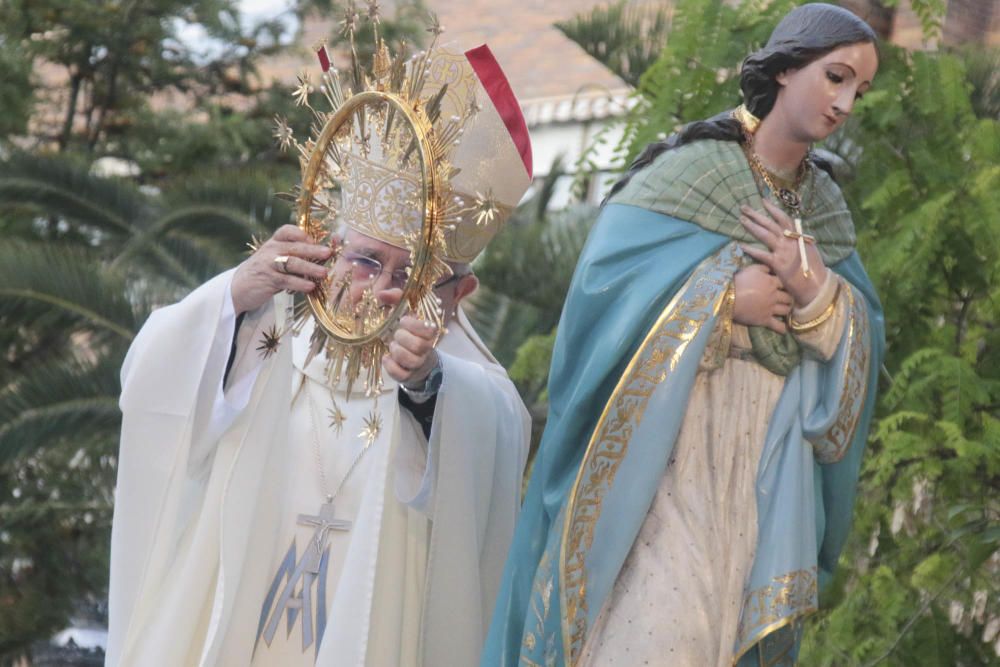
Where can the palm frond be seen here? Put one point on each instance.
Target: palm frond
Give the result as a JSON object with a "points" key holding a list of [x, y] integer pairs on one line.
{"points": [[62, 401], [533, 260], [42, 280], [502, 322], [62, 186], [626, 37]]}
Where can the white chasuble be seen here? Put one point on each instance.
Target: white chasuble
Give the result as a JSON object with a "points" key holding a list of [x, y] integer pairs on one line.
{"points": [[219, 499]]}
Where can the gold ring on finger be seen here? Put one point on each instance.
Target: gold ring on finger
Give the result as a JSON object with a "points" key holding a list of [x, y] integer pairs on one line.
{"points": [[788, 233], [281, 262]]}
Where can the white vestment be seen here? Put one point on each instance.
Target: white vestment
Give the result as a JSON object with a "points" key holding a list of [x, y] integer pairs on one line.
{"points": [[209, 495]]}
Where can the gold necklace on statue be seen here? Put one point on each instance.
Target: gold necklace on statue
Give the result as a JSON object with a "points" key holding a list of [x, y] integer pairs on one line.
{"points": [[788, 197], [324, 521]]}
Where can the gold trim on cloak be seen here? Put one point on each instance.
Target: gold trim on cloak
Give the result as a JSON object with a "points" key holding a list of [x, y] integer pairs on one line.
{"points": [[833, 445], [706, 288]]}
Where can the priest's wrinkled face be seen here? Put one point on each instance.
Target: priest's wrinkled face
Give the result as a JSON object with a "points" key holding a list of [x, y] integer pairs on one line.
{"points": [[384, 267], [373, 263]]}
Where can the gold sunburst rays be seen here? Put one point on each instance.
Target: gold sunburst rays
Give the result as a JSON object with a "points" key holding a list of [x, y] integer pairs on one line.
{"points": [[349, 22], [382, 104], [434, 27], [485, 208], [254, 244]]}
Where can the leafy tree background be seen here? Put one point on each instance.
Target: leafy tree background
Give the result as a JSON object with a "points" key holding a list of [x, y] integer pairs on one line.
{"points": [[85, 257]]}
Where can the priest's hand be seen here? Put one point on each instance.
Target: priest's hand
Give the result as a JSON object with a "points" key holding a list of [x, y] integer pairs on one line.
{"points": [[760, 299], [411, 354], [286, 261], [776, 230]]}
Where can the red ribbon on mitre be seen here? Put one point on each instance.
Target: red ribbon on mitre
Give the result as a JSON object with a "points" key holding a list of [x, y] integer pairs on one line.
{"points": [[498, 88]]}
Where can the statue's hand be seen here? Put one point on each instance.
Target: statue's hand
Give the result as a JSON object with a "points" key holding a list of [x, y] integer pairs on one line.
{"points": [[760, 299], [260, 277], [784, 254]]}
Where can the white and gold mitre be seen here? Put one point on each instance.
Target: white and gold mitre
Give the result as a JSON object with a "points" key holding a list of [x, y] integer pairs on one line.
{"points": [[486, 145]]}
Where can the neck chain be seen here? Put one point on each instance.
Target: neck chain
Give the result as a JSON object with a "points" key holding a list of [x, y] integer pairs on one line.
{"points": [[325, 521], [324, 486], [790, 198]]}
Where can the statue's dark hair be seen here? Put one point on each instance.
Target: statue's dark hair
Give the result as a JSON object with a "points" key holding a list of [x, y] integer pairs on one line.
{"points": [[805, 34]]}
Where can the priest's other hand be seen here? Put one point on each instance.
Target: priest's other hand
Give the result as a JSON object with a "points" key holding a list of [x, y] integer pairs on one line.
{"points": [[760, 299], [265, 273], [411, 354]]}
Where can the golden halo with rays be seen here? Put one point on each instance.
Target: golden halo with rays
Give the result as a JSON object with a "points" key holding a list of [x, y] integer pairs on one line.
{"points": [[379, 113]]}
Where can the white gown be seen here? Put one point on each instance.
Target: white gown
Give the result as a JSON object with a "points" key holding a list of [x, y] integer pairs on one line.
{"points": [[678, 597]]}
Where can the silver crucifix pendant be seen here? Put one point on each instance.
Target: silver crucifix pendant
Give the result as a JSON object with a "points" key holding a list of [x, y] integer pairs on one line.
{"points": [[324, 523]]}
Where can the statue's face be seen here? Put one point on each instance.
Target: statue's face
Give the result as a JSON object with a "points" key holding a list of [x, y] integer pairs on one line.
{"points": [[816, 99]]}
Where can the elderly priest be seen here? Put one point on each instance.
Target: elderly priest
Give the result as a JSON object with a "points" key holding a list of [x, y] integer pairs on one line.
{"points": [[267, 514]]}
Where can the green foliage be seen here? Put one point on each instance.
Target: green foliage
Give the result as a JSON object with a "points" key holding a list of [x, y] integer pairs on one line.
{"points": [[16, 93], [528, 269], [696, 75], [930, 13], [107, 57], [625, 37], [531, 365], [55, 519]]}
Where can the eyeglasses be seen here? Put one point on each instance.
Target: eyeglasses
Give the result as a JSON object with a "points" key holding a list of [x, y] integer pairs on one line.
{"points": [[368, 269]]}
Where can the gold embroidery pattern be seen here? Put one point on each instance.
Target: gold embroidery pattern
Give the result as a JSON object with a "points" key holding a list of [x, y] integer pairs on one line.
{"points": [[382, 202], [701, 298], [717, 350], [833, 445], [541, 605], [768, 609]]}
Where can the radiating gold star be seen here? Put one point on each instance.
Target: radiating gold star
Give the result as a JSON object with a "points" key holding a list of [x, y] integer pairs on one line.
{"points": [[349, 23], [269, 342], [282, 132], [474, 106], [301, 94], [254, 244], [435, 27], [485, 208], [337, 418], [373, 425]]}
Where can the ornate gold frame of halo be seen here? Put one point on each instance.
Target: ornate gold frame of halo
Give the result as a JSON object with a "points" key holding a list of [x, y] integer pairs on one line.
{"points": [[386, 100]]}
